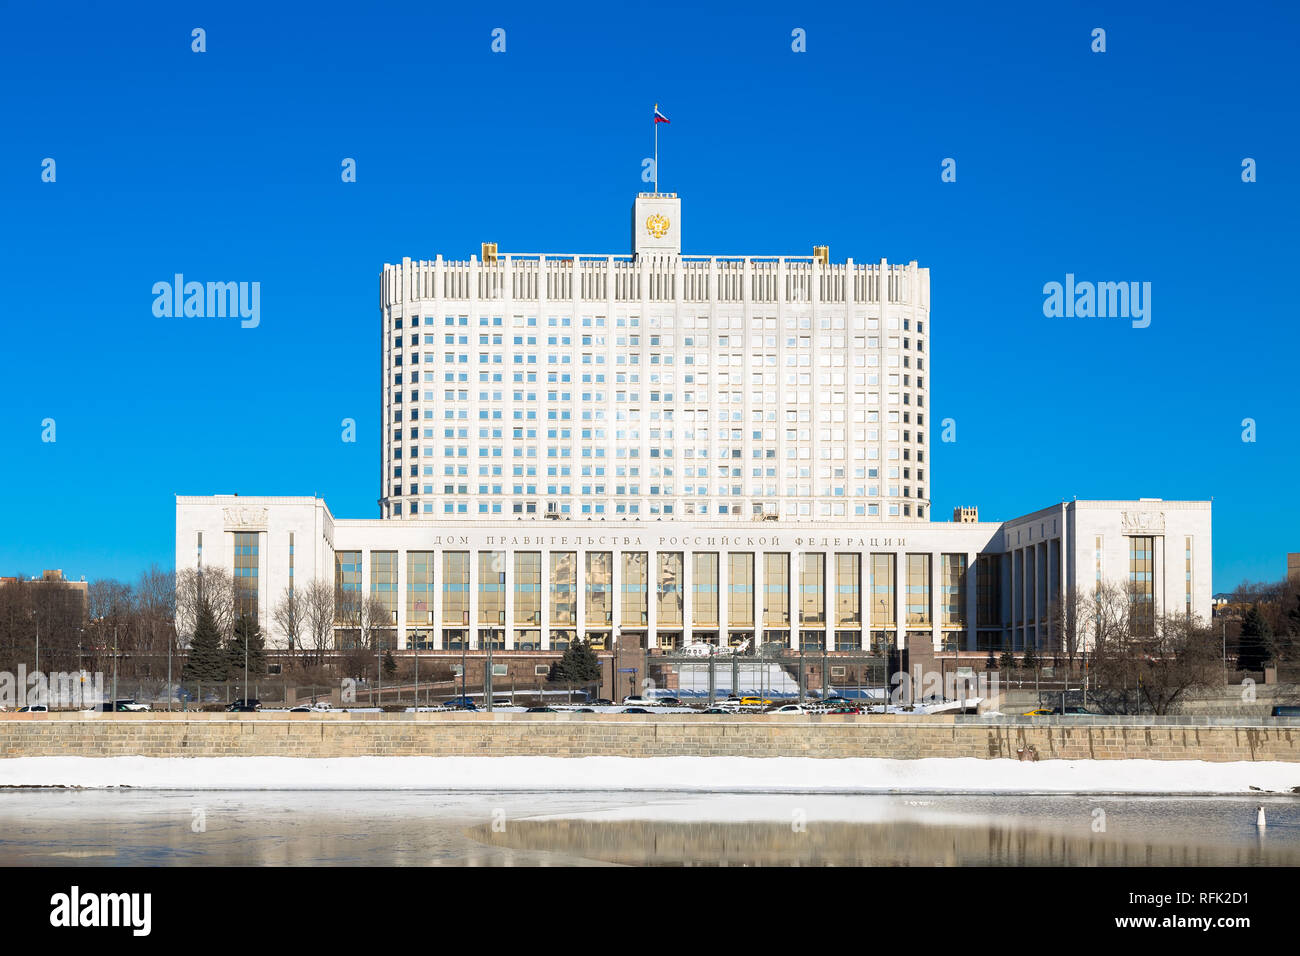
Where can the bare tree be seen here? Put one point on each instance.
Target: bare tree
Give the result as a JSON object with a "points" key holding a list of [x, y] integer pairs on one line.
{"points": [[213, 583], [1181, 656], [289, 616], [318, 617], [374, 620], [1070, 621]]}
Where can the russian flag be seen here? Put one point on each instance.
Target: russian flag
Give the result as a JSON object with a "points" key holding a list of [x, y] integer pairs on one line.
{"points": [[659, 117]]}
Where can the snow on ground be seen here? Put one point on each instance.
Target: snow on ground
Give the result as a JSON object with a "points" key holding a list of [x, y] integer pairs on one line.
{"points": [[689, 774]]}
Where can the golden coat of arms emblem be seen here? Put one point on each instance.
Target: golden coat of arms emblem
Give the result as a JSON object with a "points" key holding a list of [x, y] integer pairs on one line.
{"points": [[657, 225]]}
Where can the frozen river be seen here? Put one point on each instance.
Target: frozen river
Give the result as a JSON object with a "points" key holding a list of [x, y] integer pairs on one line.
{"points": [[428, 828]]}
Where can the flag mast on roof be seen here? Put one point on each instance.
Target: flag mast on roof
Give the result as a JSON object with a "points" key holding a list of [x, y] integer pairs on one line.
{"points": [[659, 118]]}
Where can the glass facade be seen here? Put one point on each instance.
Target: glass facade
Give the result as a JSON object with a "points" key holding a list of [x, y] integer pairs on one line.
{"points": [[953, 596], [776, 590], [564, 589], [347, 586], [740, 590], [599, 611], [812, 588], [635, 588], [528, 587], [455, 588], [882, 590], [704, 584], [245, 573], [492, 588], [918, 589], [1141, 576], [419, 588], [987, 604], [668, 611], [383, 585], [848, 591]]}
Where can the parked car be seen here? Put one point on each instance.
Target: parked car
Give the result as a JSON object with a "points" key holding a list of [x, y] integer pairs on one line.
{"points": [[637, 700], [319, 707], [1286, 710], [584, 710], [502, 702], [602, 702], [755, 702], [540, 710], [1072, 712], [634, 710], [716, 710], [789, 709], [467, 702], [130, 706], [34, 709], [1038, 712], [246, 706], [669, 702]]}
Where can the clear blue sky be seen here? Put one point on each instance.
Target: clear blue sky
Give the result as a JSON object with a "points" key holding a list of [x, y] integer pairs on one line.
{"points": [[225, 166]]}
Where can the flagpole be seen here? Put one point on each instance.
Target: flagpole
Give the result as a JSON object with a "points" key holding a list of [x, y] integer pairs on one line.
{"points": [[656, 125]]}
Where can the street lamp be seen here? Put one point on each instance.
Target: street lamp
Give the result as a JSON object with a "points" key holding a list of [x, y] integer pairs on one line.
{"points": [[884, 647], [464, 639]]}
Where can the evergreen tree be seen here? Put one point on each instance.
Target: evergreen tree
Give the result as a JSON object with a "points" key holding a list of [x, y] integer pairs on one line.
{"points": [[1007, 661], [390, 665], [1254, 649], [206, 661], [579, 665], [990, 662], [1030, 661], [246, 631]]}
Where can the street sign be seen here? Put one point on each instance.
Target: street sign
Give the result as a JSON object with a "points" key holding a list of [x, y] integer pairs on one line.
{"points": [[627, 670]]}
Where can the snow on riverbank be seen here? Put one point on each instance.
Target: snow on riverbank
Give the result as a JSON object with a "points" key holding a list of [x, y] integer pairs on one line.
{"points": [[691, 774]]}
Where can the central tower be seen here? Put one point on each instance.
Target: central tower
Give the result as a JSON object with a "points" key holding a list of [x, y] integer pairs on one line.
{"points": [[657, 225], [655, 385]]}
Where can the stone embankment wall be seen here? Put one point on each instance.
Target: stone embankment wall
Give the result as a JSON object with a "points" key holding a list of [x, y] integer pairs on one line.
{"points": [[583, 735]]}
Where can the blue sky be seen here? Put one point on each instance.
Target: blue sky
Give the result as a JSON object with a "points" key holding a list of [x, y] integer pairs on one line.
{"points": [[1122, 166]]}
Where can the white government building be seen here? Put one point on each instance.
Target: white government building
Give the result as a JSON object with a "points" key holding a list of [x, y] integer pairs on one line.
{"points": [[678, 449]]}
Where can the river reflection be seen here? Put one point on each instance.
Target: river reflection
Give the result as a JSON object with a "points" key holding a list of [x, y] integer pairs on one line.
{"points": [[117, 828]]}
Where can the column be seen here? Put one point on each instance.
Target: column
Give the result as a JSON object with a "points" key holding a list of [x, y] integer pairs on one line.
{"points": [[652, 615], [580, 594], [508, 566], [971, 583], [546, 601], [830, 596], [472, 600], [436, 604], [724, 597], [936, 618], [792, 578], [401, 599], [900, 599], [688, 594]]}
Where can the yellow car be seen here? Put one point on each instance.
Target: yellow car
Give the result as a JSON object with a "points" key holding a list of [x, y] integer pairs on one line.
{"points": [[1038, 712], [755, 702]]}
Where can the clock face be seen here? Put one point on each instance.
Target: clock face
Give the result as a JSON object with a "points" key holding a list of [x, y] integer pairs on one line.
{"points": [[657, 225]]}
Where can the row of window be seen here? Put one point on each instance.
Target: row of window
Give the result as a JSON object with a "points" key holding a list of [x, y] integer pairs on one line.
{"points": [[701, 322], [765, 600]]}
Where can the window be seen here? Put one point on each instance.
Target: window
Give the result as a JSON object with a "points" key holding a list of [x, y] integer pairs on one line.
{"points": [[245, 573]]}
